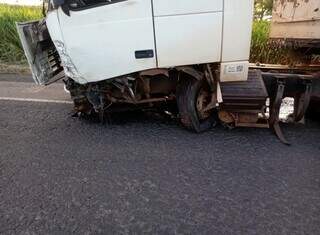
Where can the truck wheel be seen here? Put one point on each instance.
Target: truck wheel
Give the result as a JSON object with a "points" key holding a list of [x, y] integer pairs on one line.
{"points": [[193, 97]]}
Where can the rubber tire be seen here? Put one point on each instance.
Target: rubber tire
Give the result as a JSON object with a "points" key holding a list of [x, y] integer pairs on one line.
{"points": [[187, 92]]}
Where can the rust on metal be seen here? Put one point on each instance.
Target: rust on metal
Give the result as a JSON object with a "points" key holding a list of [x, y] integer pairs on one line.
{"points": [[296, 19]]}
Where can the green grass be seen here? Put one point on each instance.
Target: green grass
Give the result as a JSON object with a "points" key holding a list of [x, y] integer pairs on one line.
{"points": [[264, 50], [10, 47]]}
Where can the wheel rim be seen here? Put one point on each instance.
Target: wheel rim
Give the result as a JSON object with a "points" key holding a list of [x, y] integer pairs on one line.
{"points": [[202, 103]]}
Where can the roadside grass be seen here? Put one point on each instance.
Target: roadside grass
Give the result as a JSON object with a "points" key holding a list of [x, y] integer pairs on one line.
{"points": [[10, 47], [264, 50]]}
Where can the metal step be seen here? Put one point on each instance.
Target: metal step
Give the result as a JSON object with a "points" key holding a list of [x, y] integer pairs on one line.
{"points": [[246, 95]]}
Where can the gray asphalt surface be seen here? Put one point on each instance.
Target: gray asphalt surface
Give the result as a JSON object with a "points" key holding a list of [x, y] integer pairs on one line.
{"points": [[146, 175]]}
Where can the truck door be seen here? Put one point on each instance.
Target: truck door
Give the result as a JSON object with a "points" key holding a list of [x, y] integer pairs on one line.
{"points": [[108, 38], [188, 31]]}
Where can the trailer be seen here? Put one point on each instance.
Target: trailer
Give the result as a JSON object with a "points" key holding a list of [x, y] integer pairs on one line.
{"points": [[148, 54], [297, 22]]}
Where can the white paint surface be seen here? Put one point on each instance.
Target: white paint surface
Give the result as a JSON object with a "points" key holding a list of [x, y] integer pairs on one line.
{"points": [[188, 39], [182, 7], [234, 71], [102, 41], [238, 17]]}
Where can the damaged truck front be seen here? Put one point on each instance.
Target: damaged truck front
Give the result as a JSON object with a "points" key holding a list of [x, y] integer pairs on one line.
{"points": [[41, 51], [123, 54]]}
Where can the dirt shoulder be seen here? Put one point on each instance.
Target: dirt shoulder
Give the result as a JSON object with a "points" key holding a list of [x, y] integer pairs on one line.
{"points": [[22, 69]]}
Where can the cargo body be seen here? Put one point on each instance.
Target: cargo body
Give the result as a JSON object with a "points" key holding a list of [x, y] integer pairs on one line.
{"points": [[297, 25], [296, 20]]}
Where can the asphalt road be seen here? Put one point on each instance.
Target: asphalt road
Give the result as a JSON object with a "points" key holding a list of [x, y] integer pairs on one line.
{"points": [[146, 175]]}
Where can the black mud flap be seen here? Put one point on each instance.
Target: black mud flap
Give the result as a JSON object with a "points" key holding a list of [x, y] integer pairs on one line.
{"points": [[275, 105]]}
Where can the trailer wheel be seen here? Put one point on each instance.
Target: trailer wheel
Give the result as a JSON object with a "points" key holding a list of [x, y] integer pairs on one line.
{"points": [[193, 98]]}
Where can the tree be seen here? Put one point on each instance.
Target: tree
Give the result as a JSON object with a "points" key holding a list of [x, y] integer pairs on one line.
{"points": [[263, 8]]}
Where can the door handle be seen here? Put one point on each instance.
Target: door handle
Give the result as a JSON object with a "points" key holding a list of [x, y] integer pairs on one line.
{"points": [[144, 54]]}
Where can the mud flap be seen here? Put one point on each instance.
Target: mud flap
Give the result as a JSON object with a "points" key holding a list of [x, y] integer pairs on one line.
{"points": [[302, 101], [275, 105]]}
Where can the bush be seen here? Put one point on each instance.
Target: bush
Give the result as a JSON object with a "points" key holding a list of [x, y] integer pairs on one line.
{"points": [[264, 50], [10, 47]]}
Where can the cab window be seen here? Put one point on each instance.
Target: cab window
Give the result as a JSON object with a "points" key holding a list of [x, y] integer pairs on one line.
{"points": [[85, 4]]}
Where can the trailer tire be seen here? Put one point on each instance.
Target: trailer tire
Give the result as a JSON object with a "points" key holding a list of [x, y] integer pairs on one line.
{"points": [[188, 91]]}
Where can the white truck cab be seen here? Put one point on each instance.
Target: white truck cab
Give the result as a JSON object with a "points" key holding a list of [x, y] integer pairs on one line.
{"points": [[103, 39], [140, 51]]}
